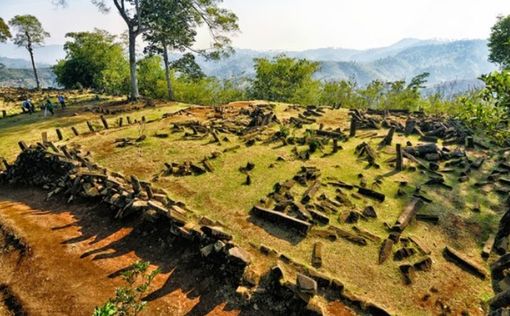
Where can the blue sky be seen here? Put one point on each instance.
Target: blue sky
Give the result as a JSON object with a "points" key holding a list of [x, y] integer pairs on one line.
{"points": [[301, 24]]}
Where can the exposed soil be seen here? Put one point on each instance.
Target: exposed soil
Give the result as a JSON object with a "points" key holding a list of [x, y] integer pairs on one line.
{"points": [[66, 259]]}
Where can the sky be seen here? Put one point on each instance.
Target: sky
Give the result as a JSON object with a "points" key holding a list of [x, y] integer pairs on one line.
{"points": [[300, 24]]}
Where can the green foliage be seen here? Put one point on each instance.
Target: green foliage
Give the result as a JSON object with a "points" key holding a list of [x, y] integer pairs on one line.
{"points": [[128, 300], [93, 60], [4, 31], [497, 88], [207, 91], [285, 79], [487, 110], [29, 31], [339, 94], [499, 42], [172, 26], [150, 76]]}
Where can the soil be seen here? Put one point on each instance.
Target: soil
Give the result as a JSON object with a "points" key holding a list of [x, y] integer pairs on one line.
{"points": [[61, 259]]}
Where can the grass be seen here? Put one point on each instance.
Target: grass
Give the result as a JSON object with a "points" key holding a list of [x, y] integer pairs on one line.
{"points": [[222, 196]]}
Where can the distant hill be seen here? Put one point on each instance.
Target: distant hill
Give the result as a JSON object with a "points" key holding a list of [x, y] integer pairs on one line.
{"points": [[451, 64], [11, 77], [20, 63], [445, 61]]}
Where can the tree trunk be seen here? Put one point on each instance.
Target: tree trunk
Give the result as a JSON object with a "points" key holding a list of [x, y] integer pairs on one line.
{"points": [[132, 65], [167, 74], [31, 52]]}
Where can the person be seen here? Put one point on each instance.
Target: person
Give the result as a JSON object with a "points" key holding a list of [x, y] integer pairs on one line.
{"points": [[27, 107], [61, 100], [48, 107]]}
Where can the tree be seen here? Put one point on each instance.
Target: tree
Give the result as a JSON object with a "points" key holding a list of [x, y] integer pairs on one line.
{"points": [[93, 60], [172, 24], [4, 31], [130, 12], [150, 74], [499, 42], [282, 78], [29, 33]]}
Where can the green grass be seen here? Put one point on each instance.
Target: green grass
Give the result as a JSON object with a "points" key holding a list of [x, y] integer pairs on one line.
{"points": [[222, 196]]}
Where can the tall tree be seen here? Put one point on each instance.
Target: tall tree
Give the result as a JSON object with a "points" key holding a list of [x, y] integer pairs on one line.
{"points": [[499, 42], [172, 26], [93, 60], [130, 12], [29, 33], [4, 31]]}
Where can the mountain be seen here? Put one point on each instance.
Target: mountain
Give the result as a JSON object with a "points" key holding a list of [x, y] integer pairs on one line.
{"points": [[20, 63], [446, 61], [450, 63], [12, 77]]}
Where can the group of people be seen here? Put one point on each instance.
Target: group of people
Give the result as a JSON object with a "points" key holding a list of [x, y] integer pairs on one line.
{"points": [[48, 107]]}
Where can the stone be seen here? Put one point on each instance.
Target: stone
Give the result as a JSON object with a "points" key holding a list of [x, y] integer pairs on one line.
{"points": [[317, 254], [215, 232], [239, 255], [283, 219], [59, 134], [408, 214], [408, 273], [349, 236], [385, 250], [306, 284], [403, 253], [369, 211], [464, 262], [372, 194], [424, 264], [487, 248], [207, 250]]}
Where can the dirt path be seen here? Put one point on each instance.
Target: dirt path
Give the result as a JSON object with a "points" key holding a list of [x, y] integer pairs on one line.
{"points": [[69, 258]]}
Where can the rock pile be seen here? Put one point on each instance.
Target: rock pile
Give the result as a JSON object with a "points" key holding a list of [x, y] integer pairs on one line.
{"points": [[71, 175]]}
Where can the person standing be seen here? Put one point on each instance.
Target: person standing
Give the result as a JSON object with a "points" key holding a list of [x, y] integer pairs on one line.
{"points": [[61, 100], [49, 106]]}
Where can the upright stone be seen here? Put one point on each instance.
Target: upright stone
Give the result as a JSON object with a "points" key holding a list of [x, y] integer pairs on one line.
{"points": [[135, 183], [317, 255], [22, 145], [121, 119], [470, 142], [4, 113], [335, 145], [6, 164], [143, 119], [44, 136], [91, 128], [59, 134], [399, 164], [352, 132], [128, 118], [389, 137], [148, 188], [105, 123], [75, 131]]}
